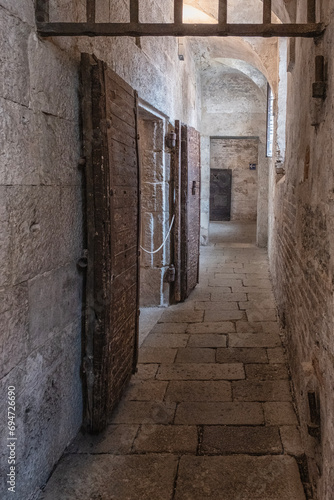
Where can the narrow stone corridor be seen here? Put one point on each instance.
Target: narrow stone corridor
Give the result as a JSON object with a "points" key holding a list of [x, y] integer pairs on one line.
{"points": [[209, 415]]}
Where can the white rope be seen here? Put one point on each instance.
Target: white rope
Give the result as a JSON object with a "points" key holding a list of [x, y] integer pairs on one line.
{"points": [[158, 250]]}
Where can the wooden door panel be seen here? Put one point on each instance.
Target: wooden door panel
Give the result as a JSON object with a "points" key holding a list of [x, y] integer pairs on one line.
{"points": [[220, 194], [109, 107], [190, 209]]}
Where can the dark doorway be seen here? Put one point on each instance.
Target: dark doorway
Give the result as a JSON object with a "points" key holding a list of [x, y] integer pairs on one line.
{"points": [[220, 194]]}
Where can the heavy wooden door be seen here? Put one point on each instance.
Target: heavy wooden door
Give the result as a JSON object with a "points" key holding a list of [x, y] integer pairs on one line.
{"points": [[190, 209], [109, 114], [220, 194]]}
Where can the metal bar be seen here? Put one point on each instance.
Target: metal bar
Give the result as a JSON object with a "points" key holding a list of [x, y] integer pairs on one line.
{"points": [[178, 12], [90, 11], [42, 11], [134, 11], [133, 29], [311, 11], [266, 11], [222, 12]]}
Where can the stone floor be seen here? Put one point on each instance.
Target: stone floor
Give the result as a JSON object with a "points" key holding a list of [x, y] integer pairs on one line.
{"points": [[209, 414]]}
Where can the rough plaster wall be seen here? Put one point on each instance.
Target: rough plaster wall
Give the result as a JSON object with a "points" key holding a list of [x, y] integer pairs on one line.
{"points": [[154, 213], [233, 105], [302, 248], [236, 155], [41, 216]]}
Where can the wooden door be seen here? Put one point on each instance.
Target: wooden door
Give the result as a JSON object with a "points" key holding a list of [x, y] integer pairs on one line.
{"points": [[110, 343], [220, 194], [190, 209]]}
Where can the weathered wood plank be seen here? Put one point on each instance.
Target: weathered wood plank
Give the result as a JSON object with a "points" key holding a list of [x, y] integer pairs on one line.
{"points": [[90, 11], [311, 11], [117, 109], [121, 136], [222, 12], [266, 11], [121, 125], [42, 11], [178, 11], [176, 210], [132, 29], [124, 197]]}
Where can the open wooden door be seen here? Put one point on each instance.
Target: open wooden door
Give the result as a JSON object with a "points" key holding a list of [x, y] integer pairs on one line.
{"points": [[190, 209], [110, 343]]}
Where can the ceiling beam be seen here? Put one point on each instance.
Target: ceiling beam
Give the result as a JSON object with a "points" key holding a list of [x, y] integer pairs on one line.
{"points": [[310, 30]]}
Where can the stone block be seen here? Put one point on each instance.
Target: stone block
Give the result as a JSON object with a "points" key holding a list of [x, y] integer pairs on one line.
{"points": [[267, 372], [23, 9], [241, 355], [258, 283], [5, 240], [247, 390], [244, 478], [14, 70], [280, 414], [14, 326], [218, 413], [146, 371], [211, 328], [156, 355], [254, 340], [141, 476], [207, 340], [216, 306], [54, 301], [54, 79], [150, 286], [19, 130], [201, 371], [264, 315], [258, 304], [195, 355], [115, 440], [199, 390], [166, 439], [166, 340], [257, 327], [218, 296], [144, 412], [145, 390], [225, 440]]}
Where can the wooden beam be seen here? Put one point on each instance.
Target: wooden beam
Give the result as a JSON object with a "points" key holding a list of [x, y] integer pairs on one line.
{"points": [[90, 11], [133, 29], [311, 11], [178, 12], [42, 11], [134, 11], [222, 12], [266, 11]]}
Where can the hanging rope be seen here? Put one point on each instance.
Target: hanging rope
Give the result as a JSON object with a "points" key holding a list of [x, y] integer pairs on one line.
{"points": [[161, 246]]}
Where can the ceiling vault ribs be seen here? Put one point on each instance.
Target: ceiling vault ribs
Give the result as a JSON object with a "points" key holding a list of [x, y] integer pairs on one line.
{"points": [[134, 28]]}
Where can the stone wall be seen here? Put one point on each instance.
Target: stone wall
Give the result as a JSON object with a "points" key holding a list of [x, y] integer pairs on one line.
{"points": [[302, 248], [236, 155], [41, 214]]}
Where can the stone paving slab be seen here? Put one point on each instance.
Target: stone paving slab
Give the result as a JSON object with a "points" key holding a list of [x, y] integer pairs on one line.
{"points": [[267, 372], [227, 440], [198, 390], [146, 371], [170, 328], [280, 414], [258, 305], [157, 355], [167, 340], [265, 315], [239, 478], [208, 340], [247, 390], [257, 327], [182, 317], [276, 355], [115, 440], [195, 355], [144, 412], [220, 296], [208, 413], [216, 306], [291, 440], [254, 340], [108, 477], [166, 439], [220, 315], [219, 327], [145, 390], [201, 371], [242, 355]]}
